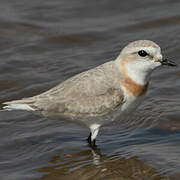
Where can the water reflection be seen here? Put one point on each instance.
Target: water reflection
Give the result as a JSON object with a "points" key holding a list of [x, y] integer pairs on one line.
{"points": [[91, 164]]}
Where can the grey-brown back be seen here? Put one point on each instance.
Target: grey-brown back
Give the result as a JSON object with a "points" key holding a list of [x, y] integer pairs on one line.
{"points": [[92, 93]]}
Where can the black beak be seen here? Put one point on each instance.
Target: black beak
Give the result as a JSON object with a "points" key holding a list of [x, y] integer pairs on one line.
{"points": [[167, 62]]}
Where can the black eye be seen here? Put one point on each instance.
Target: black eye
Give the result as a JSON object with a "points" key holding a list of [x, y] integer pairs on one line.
{"points": [[142, 53]]}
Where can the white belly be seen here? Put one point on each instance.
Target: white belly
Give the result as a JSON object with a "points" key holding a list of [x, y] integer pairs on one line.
{"points": [[131, 103], [121, 113], [126, 110]]}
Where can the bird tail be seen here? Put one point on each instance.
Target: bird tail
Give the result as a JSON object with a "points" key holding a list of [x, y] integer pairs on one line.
{"points": [[22, 104]]}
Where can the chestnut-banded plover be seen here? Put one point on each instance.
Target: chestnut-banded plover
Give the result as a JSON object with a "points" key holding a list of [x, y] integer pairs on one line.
{"points": [[109, 92]]}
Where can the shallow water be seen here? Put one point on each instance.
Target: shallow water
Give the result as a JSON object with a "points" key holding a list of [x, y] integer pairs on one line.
{"points": [[43, 43]]}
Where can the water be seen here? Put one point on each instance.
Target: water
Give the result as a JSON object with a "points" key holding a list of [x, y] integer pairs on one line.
{"points": [[43, 43]]}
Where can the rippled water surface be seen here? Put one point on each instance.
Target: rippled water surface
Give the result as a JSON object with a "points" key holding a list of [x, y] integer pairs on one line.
{"points": [[43, 43]]}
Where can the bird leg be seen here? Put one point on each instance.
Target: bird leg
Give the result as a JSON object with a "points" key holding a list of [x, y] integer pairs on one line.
{"points": [[92, 136], [92, 143]]}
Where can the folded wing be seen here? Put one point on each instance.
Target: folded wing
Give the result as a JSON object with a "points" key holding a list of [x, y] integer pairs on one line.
{"points": [[93, 92]]}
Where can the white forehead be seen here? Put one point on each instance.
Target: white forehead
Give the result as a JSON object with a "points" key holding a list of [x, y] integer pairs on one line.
{"points": [[149, 46]]}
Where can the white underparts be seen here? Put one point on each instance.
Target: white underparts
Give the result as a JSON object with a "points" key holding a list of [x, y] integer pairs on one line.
{"points": [[94, 131], [10, 107]]}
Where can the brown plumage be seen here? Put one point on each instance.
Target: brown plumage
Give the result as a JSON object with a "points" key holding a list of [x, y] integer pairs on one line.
{"points": [[91, 93]]}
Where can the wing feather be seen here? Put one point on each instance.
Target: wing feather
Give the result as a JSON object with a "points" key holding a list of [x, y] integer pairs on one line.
{"points": [[93, 92]]}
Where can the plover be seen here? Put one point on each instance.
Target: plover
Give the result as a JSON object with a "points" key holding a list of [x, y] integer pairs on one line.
{"points": [[106, 93]]}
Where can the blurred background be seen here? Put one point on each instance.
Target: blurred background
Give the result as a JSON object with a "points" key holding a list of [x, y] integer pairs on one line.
{"points": [[44, 42]]}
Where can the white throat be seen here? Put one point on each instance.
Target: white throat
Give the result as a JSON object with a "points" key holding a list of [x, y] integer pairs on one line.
{"points": [[137, 74]]}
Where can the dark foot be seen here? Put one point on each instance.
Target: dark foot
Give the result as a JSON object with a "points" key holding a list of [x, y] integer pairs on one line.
{"points": [[91, 143], [89, 138]]}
